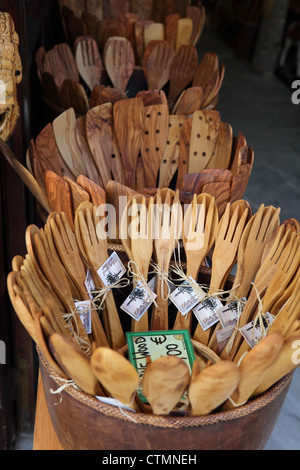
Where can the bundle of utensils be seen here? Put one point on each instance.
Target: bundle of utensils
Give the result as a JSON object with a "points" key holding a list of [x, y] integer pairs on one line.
{"points": [[139, 24], [74, 77], [65, 265], [129, 147]]}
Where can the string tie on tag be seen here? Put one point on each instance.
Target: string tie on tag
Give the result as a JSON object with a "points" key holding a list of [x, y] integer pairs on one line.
{"points": [[137, 275], [101, 293]]}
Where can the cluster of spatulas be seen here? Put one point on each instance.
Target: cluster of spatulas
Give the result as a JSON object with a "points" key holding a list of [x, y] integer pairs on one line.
{"points": [[75, 77], [129, 147], [265, 252]]}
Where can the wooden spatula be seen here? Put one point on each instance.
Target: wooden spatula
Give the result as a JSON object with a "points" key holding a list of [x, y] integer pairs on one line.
{"points": [[99, 137], [153, 32], [154, 141], [88, 61], [222, 153], [184, 151], [158, 58], [83, 147], [97, 194], [171, 25], [204, 136], [182, 71], [129, 125], [59, 195], [73, 95], [169, 163], [207, 67], [164, 382], [189, 101], [119, 61], [139, 39], [64, 127], [198, 16], [47, 150]]}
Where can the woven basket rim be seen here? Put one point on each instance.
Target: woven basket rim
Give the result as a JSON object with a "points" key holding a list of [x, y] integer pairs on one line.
{"points": [[175, 422]]}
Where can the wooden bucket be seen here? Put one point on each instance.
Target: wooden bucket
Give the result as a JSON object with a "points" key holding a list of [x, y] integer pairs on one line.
{"points": [[82, 422]]}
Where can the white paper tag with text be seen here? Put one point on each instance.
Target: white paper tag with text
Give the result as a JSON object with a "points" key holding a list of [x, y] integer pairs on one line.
{"points": [[229, 313], [138, 302], [84, 311], [112, 270], [89, 284], [114, 402], [207, 312], [184, 297], [254, 333]]}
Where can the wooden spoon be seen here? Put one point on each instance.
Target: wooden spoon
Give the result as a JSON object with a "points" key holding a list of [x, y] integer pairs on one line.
{"points": [[254, 368], [164, 382], [75, 364], [212, 387], [119, 61], [116, 374]]}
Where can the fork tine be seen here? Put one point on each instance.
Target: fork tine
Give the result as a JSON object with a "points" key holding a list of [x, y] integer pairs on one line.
{"points": [[224, 223], [274, 222]]}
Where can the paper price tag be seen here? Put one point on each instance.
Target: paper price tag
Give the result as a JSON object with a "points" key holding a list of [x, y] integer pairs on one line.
{"points": [[112, 270], [84, 311], [138, 302], [254, 333], [89, 284], [114, 402], [184, 297], [228, 314], [223, 336], [207, 312]]}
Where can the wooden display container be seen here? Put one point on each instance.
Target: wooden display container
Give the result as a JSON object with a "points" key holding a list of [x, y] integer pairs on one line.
{"points": [[81, 422]]}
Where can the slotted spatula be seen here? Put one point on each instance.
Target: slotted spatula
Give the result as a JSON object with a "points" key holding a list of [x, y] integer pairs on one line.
{"points": [[88, 61], [182, 71], [119, 61]]}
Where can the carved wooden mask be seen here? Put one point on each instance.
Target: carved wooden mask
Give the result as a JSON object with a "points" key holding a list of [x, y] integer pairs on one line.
{"points": [[10, 75]]}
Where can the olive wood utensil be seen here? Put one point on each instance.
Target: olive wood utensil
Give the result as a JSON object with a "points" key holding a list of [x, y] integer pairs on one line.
{"points": [[119, 61], [198, 16], [184, 149], [117, 375], [164, 382], [207, 67], [212, 387], [195, 182], [75, 363], [78, 194], [73, 95], [97, 194], [169, 163], [154, 141], [25, 176], [184, 32], [189, 101], [129, 124], [171, 25], [220, 190], [105, 94], [222, 153], [88, 61], [254, 368], [153, 32], [59, 61], [141, 245], [64, 127], [168, 215], [200, 227], [47, 151], [204, 136], [94, 243], [157, 62], [139, 38], [59, 195], [183, 67], [99, 137], [91, 170], [284, 364]]}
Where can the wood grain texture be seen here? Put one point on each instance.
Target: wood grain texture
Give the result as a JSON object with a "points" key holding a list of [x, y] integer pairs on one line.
{"points": [[119, 61], [184, 150], [158, 59], [182, 70], [83, 146], [59, 195], [154, 141]]}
